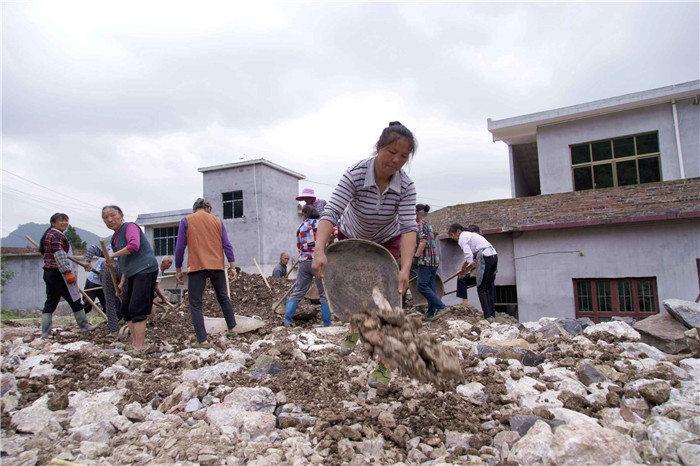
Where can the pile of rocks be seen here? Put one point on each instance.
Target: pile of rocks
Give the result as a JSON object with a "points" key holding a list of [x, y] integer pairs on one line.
{"points": [[554, 391]]}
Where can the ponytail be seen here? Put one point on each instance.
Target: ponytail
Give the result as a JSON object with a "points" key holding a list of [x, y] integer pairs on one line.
{"points": [[54, 218]]}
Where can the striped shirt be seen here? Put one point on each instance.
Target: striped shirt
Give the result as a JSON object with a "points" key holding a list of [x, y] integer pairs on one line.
{"points": [[361, 211], [430, 253], [306, 239]]}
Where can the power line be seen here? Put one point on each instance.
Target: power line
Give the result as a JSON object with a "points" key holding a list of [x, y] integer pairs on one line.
{"points": [[49, 189]]}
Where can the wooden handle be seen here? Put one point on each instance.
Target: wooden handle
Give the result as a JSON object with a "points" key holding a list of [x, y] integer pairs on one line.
{"points": [[109, 260], [92, 303], [82, 264], [451, 276], [293, 267], [36, 245], [283, 297], [262, 274]]}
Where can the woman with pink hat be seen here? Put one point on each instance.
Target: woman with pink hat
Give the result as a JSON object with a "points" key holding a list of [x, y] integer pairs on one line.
{"points": [[307, 195]]}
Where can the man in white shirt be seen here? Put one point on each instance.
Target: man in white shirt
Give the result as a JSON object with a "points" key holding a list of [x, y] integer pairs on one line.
{"points": [[479, 254]]}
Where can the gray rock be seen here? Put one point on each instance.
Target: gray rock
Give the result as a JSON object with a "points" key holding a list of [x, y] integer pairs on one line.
{"points": [[552, 329], [504, 441], [474, 392], [628, 320], [510, 349], [7, 383], [94, 449], [533, 447], [587, 374], [252, 399], [193, 405], [36, 418], [521, 423], [686, 312], [689, 454], [212, 373], [587, 443], [656, 392], [663, 332], [266, 365], [616, 329], [99, 432], [667, 435], [585, 322], [134, 412], [572, 326]]}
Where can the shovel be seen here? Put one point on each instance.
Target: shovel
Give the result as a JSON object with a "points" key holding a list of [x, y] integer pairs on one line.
{"points": [[418, 298], [355, 267]]}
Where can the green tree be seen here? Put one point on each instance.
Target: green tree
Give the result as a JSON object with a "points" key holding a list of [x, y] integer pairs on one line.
{"points": [[5, 275], [76, 242]]}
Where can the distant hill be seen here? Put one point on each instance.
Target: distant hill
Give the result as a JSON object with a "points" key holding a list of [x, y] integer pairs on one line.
{"points": [[16, 239]]}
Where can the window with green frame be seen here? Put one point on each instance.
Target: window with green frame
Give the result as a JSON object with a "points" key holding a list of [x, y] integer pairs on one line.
{"points": [[616, 162], [602, 298], [164, 241], [233, 204]]}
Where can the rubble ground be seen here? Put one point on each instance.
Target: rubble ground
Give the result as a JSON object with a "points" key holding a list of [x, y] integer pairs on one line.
{"points": [[537, 392]]}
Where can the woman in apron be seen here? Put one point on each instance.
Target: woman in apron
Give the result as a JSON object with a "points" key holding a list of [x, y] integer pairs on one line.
{"points": [[59, 276]]}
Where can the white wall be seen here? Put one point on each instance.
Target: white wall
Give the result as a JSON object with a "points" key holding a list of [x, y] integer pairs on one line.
{"points": [[555, 156], [547, 261]]}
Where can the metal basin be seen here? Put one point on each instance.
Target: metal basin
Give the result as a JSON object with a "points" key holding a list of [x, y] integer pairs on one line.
{"points": [[355, 266]]}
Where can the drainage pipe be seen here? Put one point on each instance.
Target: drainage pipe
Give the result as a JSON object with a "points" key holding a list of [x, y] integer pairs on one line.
{"points": [[678, 137]]}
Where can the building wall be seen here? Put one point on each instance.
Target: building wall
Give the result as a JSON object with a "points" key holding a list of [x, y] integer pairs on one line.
{"points": [[555, 157], [26, 290], [547, 261], [269, 209]]}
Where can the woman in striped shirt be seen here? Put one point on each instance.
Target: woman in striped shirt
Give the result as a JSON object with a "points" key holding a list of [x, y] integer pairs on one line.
{"points": [[375, 200]]}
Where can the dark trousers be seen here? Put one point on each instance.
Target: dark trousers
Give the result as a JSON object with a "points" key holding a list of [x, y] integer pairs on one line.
{"points": [[138, 296], [94, 295], [196, 283], [55, 290], [426, 287], [113, 304], [486, 290]]}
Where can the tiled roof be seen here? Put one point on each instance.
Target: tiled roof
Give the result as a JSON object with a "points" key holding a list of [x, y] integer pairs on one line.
{"points": [[638, 203]]}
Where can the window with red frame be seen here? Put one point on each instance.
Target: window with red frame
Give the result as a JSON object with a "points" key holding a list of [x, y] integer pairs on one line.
{"points": [[602, 298]]}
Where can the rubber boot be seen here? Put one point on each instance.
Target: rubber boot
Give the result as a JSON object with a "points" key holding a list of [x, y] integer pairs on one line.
{"points": [[82, 321], [46, 324], [290, 309], [326, 315]]}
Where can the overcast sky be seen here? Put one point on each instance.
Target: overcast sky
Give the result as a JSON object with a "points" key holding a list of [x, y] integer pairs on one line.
{"points": [[121, 102]]}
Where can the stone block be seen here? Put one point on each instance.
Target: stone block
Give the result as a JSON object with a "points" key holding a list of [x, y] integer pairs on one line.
{"points": [[663, 332]]}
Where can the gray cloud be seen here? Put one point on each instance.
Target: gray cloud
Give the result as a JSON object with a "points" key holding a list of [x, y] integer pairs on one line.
{"points": [[164, 93]]}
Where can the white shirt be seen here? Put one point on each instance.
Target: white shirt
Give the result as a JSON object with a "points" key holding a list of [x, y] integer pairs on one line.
{"points": [[472, 243]]}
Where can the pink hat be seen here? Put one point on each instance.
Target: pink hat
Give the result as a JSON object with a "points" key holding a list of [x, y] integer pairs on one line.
{"points": [[306, 192]]}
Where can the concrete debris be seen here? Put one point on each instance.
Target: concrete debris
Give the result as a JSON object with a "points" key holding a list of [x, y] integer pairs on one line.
{"points": [[464, 391], [663, 332]]}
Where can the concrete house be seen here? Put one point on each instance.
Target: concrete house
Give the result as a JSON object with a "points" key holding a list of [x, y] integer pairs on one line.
{"points": [[605, 208], [256, 201]]}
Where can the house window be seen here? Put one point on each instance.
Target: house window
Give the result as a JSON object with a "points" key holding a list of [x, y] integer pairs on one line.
{"points": [[602, 298], [164, 240], [616, 162], [233, 204], [506, 299]]}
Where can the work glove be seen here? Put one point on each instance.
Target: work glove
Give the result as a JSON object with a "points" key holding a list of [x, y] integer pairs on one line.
{"points": [[70, 278]]}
